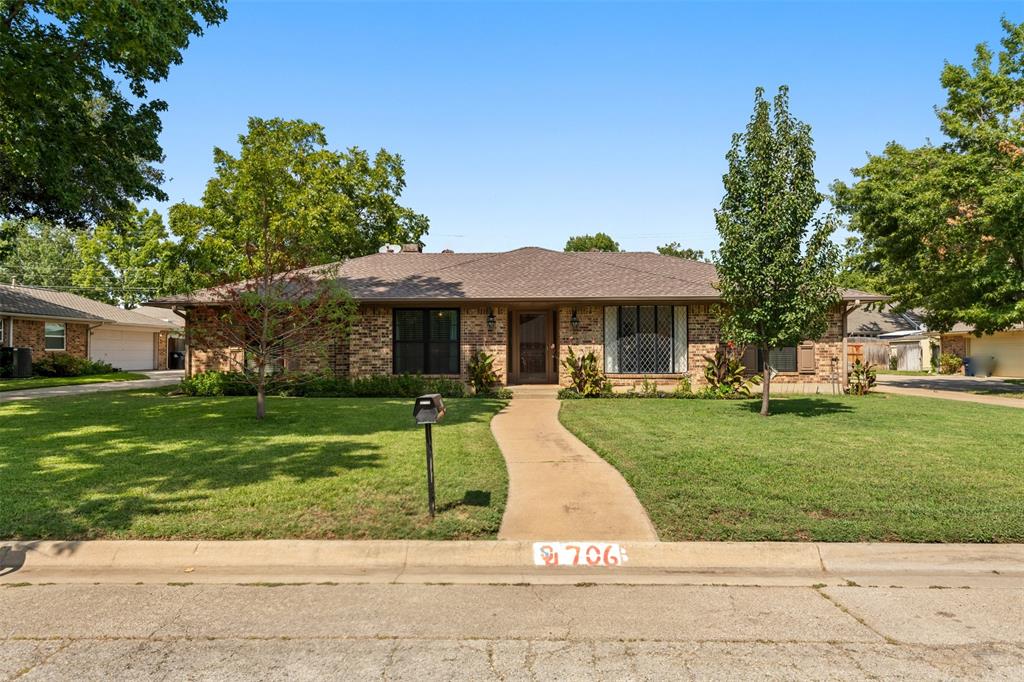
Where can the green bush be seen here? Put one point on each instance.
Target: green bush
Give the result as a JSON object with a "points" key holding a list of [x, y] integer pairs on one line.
{"points": [[327, 386], [950, 364], [481, 372], [726, 378], [67, 365], [217, 384], [586, 376], [862, 378]]}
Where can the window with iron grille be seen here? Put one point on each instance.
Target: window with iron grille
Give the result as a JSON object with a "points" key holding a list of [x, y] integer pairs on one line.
{"points": [[426, 341], [645, 339]]}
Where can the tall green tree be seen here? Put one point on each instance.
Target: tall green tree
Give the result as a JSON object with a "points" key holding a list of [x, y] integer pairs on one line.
{"points": [[75, 148], [40, 254], [271, 221], [333, 205], [776, 263], [857, 270], [129, 261], [676, 249], [592, 242], [944, 224]]}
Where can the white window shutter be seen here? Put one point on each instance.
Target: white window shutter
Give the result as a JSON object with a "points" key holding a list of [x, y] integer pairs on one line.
{"points": [[680, 343], [611, 339]]}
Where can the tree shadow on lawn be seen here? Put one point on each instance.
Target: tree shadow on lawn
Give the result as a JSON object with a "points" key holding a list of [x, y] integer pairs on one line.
{"points": [[81, 469], [809, 406]]}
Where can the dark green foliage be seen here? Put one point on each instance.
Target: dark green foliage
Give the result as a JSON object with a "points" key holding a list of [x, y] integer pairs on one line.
{"points": [[74, 147], [481, 372], [592, 242], [676, 249], [943, 226], [777, 263], [325, 386], [67, 365], [585, 374]]}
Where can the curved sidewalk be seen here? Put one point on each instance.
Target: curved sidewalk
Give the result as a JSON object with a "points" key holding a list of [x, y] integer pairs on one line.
{"points": [[559, 489]]}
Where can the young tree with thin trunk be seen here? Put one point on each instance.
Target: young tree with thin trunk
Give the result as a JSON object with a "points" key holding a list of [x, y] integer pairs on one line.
{"points": [[267, 216], [776, 262]]}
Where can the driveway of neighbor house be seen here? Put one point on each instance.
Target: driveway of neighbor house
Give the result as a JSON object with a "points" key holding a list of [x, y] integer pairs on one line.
{"points": [[156, 380], [559, 489], [986, 390]]}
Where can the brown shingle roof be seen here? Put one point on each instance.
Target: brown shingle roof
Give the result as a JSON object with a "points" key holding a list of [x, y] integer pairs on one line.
{"points": [[526, 274], [38, 302]]}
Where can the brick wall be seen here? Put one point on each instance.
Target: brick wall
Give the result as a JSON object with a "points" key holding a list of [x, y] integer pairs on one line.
{"points": [[369, 342], [161, 350], [589, 336], [477, 337], [955, 344], [31, 334]]}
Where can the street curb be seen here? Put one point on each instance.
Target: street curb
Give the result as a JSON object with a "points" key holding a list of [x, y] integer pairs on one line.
{"points": [[498, 561]]}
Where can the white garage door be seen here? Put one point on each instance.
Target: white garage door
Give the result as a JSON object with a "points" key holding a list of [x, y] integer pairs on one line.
{"points": [[1008, 350], [123, 349]]}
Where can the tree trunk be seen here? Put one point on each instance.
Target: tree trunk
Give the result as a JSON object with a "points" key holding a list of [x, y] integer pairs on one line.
{"points": [[767, 384], [261, 390]]}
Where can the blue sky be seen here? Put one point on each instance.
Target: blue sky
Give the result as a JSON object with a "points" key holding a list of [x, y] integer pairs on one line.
{"points": [[522, 124]]}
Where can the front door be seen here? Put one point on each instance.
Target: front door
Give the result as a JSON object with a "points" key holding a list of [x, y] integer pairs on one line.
{"points": [[534, 366]]}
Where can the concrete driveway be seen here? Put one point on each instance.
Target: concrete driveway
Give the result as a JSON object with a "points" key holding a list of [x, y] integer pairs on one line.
{"points": [[156, 380], [987, 390]]}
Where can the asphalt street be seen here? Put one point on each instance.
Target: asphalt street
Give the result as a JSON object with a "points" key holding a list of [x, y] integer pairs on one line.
{"points": [[510, 632]]}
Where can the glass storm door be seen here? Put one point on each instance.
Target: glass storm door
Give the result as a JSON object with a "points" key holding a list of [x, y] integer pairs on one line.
{"points": [[533, 348]]}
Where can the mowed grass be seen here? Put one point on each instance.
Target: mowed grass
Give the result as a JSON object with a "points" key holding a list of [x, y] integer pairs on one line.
{"points": [[47, 382], [881, 467], [144, 465]]}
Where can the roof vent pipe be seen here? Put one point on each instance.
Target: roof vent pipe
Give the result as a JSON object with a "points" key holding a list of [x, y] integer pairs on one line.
{"points": [[412, 248]]}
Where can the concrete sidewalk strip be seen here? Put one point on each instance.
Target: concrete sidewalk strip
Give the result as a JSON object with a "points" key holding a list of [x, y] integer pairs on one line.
{"points": [[497, 562]]}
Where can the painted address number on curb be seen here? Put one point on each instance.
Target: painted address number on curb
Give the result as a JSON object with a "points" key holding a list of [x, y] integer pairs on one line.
{"points": [[578, 554]]}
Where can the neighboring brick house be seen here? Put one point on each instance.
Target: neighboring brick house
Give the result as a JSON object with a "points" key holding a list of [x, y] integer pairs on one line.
{"points": [[1001, 353], [49, 321], [643, 314]]}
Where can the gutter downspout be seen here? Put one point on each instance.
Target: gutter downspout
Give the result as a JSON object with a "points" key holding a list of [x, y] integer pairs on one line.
{"points": [[188, 341]]}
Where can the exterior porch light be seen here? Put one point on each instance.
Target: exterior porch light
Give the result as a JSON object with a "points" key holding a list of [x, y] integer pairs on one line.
{"points": [[574, 320], [491, 320]]}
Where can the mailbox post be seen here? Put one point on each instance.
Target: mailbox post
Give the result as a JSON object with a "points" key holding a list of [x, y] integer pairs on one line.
{"points": [[428, 410]]}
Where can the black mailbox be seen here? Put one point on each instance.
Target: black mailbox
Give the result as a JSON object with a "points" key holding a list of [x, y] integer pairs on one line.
{"points": [[428, 409]]}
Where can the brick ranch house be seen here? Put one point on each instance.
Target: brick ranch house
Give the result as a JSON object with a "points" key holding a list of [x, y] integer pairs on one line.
{"points": [[645, 316], [49, 322]]}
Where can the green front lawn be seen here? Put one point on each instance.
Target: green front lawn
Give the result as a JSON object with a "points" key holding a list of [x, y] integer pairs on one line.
{"points": [[882, 467], [144, 465], [47, 382]]}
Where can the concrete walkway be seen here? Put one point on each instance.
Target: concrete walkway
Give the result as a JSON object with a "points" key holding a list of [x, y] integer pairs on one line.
{"points": [[155, 380], [559, 489]]}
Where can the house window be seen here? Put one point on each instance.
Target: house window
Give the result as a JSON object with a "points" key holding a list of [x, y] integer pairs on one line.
{"points": [[55, 335], [645, 339], [779, 359], [3, 338], [426, 341]]}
